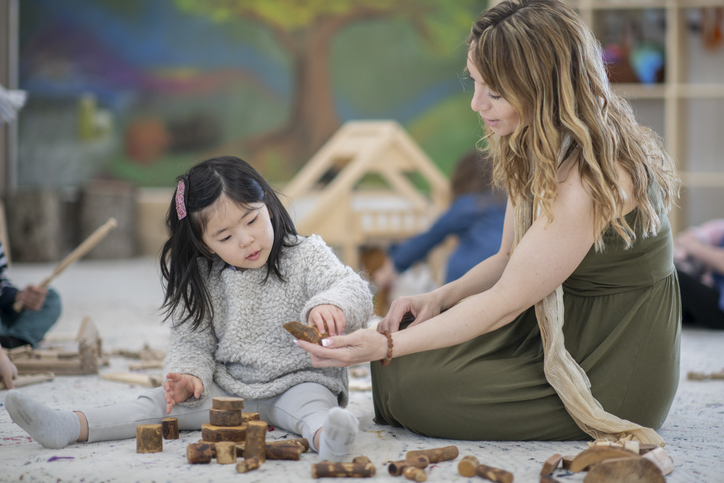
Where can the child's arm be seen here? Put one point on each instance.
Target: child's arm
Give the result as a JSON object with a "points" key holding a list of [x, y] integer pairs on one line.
{"points": [[331, 283], [8, 371]]}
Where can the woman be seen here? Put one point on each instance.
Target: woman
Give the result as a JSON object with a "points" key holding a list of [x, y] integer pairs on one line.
{"points": [[586, 240]]}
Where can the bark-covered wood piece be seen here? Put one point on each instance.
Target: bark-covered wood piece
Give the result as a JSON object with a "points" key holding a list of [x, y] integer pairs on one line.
{"points": [[551, 464], [625, 470], [397, 467], [284, 442], [169, 428], [227, 403], [435, 455], [494, 474], [361, 460], [225, 452], [326, 469], [414, 474], [246, 417], [291, 452], [596, 454], [210, 432], [225, 417], [247, 465], [255, 446], [148, 438], [660, 458], [305, 332], [198, 453], [467, 466]]}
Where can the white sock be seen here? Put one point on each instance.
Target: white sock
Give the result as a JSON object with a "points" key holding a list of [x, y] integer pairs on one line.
{"points": [[51, 428], [338, 434]]}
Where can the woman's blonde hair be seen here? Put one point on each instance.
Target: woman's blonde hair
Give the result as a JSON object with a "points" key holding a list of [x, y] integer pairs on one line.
{"points": [[543, 59]]}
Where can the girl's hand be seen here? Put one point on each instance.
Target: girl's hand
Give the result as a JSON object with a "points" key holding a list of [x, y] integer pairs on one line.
{"points": [[346, 350], [180, 387], [422, 307], [8, 371], [32, 297], [331, 315]]}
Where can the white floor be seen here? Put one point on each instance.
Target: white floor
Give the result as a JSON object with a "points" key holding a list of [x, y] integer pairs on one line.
{"points": [[122, 298]]}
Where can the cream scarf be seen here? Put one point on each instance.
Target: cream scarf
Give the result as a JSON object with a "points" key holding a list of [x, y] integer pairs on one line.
{"points": [[562, 372]]}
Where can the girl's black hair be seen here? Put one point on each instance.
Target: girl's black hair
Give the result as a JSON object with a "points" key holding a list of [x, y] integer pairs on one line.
{"points": [[204, 184]]}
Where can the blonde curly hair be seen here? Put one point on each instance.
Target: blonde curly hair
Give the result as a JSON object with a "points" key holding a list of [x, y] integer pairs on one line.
{"points": [[545, 61]]}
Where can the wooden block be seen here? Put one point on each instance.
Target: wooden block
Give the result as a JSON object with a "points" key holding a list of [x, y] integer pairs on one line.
{"points": [[29, 379], [225, 452], [361, 460], [551, 464], [396, 468], [660, 458], [284, 442], [595, 455], [494, 474], [212, 433], [148, 438], [567, 461], [225, 417], [291, 452], [227, 403], [248, 464], [696, 376], [717, 375], [255, 446], [170, 428], [305, 332], [435, 455], [468, 465], [632, 446], [342, 470], [198, 454], [246, 417], [624, 469], [414, 474]]}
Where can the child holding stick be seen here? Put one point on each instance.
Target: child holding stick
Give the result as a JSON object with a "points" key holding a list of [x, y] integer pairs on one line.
{"points": [[235, 271]]}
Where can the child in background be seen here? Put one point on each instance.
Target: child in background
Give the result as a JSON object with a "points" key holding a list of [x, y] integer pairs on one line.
{"points": [[235, 271]]}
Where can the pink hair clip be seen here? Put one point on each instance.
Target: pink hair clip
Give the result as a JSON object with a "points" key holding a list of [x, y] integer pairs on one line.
{"points": [[180, 207]]}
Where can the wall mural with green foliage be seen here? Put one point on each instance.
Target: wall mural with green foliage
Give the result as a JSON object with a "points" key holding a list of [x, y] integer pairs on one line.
{"points": [[139, 90]]}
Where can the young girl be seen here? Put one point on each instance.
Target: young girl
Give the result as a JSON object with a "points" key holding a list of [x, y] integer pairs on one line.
{"points": [[235, 271]]}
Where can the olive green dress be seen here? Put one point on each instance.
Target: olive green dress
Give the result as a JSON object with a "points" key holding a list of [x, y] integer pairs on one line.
{"points": [[622, 325]]}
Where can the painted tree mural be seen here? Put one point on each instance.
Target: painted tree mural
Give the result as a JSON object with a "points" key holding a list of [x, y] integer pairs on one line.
{"points": [[305, 30]]}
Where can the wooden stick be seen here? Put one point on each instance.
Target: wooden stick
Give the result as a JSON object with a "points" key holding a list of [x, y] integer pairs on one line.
{"points": [[26, 380], [397, 467], [326, 469], [255, 440], [76, 254], [248, 464], [435, 455], [414, 474], [290, 452]]}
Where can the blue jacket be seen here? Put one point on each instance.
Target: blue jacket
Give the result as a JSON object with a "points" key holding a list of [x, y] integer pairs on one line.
{"points": [[476, 219]]}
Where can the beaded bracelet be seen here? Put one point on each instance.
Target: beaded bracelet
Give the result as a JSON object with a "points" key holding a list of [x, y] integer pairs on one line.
{"points": [[386, 361]]}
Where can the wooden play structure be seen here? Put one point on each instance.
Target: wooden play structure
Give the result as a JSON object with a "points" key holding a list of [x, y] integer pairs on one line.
{"points": [[364, 188]]}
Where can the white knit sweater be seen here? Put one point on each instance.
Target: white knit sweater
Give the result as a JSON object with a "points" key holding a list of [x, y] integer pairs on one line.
{"points": [[246, 350]]}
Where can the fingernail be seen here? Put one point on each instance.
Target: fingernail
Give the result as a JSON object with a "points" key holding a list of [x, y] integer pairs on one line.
{"points": [[327, 342], [296, 342]]}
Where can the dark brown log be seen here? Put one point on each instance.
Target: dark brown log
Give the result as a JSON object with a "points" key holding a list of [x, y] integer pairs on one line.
{"points": [[435, 455], [225, 417], [625, 470], [148, 438], [305, 332], [414, 474], [197, 454], [255, 446], [397, 467], [342, 470], [468, 465], [361, 459], [596, 454], [284, 442], [248, 464], [292, 452], [225, 452], [551, 464], [494, 474], [227, 403], [246, 417], [170, 428], [214, 434]]}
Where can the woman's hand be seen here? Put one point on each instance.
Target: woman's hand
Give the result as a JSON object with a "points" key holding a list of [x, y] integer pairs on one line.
{"points": [[8, 371], [180, 387], [347, 350], [422, 307], [328, 318]]}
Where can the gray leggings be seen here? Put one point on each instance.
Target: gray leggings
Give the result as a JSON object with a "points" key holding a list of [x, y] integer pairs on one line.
{"points": [[301, 409]]}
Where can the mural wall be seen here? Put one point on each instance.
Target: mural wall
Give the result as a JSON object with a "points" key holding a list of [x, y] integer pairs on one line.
{"points": [[140, 89]]}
